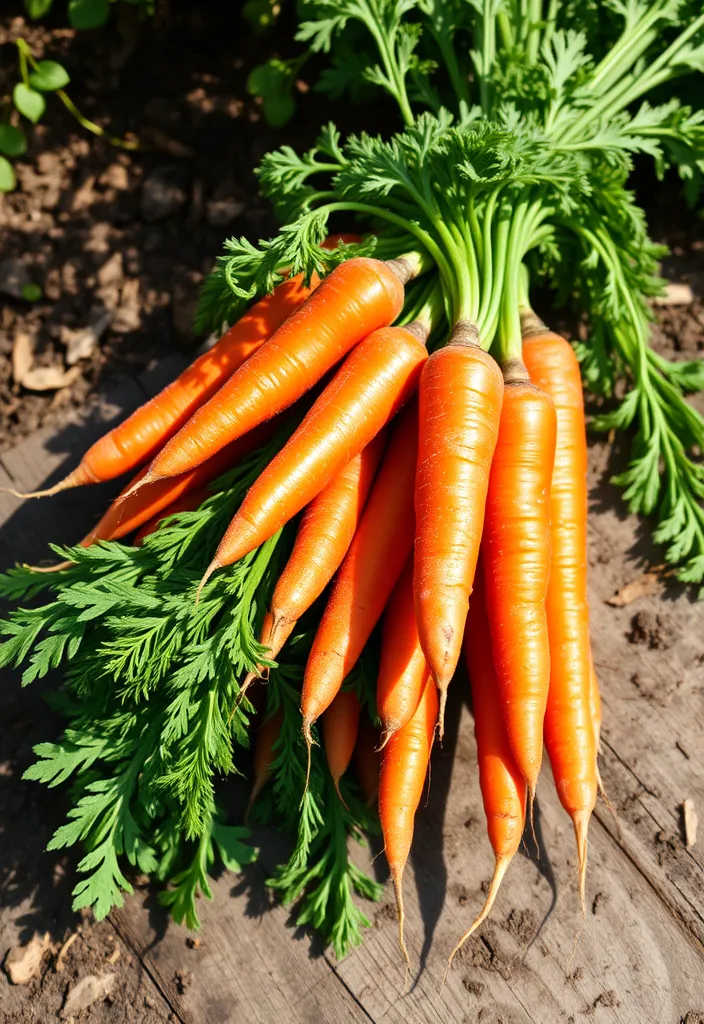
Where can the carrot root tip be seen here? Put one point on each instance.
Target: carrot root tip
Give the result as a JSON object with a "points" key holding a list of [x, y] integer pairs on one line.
{"points": [[532, 786], [397, 877], [336, 783], [74, 479], [500, 869], [308, 737], [441, 712], [581, 830], [49, 568], [611, 809], [208, 573]]}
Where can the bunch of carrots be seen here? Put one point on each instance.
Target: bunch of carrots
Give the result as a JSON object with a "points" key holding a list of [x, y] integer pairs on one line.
{"points": [[443, 496]]}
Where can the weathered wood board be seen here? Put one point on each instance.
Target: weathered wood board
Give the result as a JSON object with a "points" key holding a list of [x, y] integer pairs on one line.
{"points": [[640, 955]]}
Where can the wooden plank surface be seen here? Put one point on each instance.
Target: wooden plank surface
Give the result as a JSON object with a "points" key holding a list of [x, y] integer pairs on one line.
{"points": [[640, 955]]}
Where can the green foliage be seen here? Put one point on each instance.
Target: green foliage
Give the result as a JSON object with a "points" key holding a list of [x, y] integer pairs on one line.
{"points": [[273, 82], [37, 8], [7, 175], [532, 169], [48, 76], [29, 102], [150, 688], [13, 141], [87, 14]]}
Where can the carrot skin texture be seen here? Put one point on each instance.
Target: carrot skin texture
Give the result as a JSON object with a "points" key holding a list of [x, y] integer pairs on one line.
{"points": [[368, 574], [502, 785], [403, 669], [459, 400], [141, 435], [127, 514], [324, 535], [516, 549], [404, 766], [569, 731], [503, 788], [376, 380], [340, 728], [357, 298]]}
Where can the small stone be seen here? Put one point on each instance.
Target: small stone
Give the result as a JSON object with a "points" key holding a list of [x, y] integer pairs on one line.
{"points": [[24, 962], [221, 212], [14, 276], [87, 991], [163, 193]]}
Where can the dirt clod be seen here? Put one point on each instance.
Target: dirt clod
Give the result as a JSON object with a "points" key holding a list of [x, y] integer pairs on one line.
{"points": [[600, 901], [609, 1000], [652, 630], [182, 980]]}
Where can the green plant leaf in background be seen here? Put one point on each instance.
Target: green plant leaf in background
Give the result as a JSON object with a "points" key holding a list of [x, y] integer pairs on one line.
{"points": [[49, 76], [29, 102], [37, 8], [31, 292], [13, 141], [273, 83], [7, 175], [85, 14]]}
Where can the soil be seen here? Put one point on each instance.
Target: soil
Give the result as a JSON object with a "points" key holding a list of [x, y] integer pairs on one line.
{"points": [[120, 237], [131, 234]]}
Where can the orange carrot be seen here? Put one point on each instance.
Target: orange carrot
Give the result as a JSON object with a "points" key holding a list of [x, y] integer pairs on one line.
{"points": [[594, 703], [125, 516], [367, 576], [459, 403], [502, 785], [569, 731], [140, 436], [358, 297], [267, 735], [187, 503], [366, 761], [403, 668], [516, 548], [404, 766], [340, 728], [324, 535], [376, 380]]}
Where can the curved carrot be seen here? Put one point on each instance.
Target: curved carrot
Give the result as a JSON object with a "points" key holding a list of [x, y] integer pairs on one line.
{"points": [[375, 381], [366, 761], [140, 436], [404, 766], [517, 564], [267, 735], [357, 298], [403, 669], [502, 785], [324, 535], [459, 402], [187, 503], [340, 728], [569, 731], [367, 576]]}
